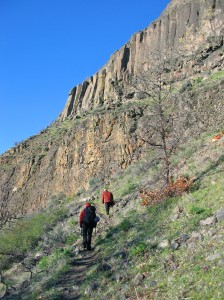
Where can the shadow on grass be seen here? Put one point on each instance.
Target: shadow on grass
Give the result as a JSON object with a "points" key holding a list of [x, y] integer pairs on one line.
{"points": [[210, 169], [62, 283], [148, 224]]}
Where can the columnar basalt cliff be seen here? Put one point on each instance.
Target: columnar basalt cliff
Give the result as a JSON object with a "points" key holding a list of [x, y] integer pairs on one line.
{"points": [[95, 135], [186, 29]]}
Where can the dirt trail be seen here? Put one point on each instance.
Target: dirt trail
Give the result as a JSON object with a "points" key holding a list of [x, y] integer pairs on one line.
{"points": [[73, 279]]}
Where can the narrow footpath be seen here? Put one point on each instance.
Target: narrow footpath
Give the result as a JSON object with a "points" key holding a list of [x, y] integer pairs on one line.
{"points": [[74, 278], [72, 281]]}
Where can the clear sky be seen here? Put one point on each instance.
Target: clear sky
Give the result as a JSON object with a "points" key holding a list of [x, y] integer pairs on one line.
{"points": [[49, 46]]}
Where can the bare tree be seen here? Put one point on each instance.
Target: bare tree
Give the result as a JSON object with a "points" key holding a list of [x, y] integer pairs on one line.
{"points": [[158, 128]]}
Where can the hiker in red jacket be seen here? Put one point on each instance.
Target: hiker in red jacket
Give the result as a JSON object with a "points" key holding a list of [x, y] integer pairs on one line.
{"points": [[87, 223], [108, 200]]}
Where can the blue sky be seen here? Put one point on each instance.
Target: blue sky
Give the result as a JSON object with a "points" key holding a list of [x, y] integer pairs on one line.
{"points": [[49, 46]]}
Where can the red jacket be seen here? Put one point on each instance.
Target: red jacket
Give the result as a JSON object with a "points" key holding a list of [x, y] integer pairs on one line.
{"points": [[107, 197], [83, 213]]}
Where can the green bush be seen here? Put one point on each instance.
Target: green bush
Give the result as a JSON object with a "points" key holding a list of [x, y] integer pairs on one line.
{"points": [[138, 250], [204, 212], [197, 210]]}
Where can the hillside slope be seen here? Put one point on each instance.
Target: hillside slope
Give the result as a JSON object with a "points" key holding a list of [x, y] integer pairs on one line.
{"points": [[171, 250], [97, 134]]}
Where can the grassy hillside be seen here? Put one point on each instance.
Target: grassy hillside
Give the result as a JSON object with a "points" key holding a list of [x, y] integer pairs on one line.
{"points": [[166, 251]]}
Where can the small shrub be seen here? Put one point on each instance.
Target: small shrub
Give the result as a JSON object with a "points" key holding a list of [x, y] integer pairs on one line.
{"points": [[173, 189], [138, 250], [197, 210], [201, 212]]}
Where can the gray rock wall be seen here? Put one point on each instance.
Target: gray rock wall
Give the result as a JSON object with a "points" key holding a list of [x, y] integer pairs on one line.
{"points": [[183, 29]]}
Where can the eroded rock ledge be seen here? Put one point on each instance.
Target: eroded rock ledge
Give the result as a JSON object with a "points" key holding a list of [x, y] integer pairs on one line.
{"points": [[187, 33]]}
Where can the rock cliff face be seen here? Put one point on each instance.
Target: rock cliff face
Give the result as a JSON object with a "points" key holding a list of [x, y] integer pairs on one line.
{"points": [[95, 135], [66, 157], [188, 32]]}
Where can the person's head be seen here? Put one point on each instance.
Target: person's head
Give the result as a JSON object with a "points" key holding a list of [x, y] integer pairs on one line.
{"points": [[88, 204]]}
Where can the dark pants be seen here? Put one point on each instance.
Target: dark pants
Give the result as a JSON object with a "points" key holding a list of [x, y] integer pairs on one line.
{"points": [[87, 231], [107, 207]]}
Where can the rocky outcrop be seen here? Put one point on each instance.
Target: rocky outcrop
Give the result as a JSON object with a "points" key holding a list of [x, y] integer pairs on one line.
{"points": [[187, 34], [96, 134], [66, 160]]}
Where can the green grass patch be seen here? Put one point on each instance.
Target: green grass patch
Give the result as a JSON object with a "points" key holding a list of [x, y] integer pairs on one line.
{"points": [[139, 250], [195, 210], [25, 234], [48, 262], [128, 188], [178, 274], [217, 75], [71, 239]]}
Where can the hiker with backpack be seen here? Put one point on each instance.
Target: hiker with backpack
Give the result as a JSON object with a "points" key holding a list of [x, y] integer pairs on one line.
{"points": [[108, 200], [87, 221]]}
